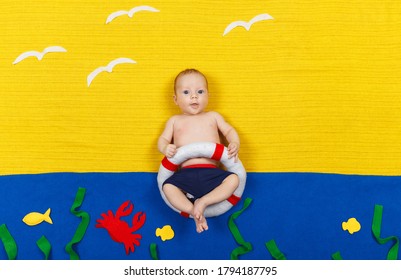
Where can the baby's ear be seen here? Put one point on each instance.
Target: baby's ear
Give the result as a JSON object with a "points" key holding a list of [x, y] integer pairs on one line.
{"points": [[175, 99]]}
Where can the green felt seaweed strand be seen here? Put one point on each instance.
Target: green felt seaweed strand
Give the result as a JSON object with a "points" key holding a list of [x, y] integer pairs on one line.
{"points": [[83, 225], [337, 256], [244, 247], [9, 243], [376, 230], [45, 246], [274, 250], [153, 251]]}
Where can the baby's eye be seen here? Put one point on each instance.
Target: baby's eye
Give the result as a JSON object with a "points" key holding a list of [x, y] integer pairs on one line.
{"points": [[201, 91], [185, 92]]}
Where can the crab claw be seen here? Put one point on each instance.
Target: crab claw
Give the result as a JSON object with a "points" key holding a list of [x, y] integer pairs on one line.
{"points": [[138, 221], [122, 211]]}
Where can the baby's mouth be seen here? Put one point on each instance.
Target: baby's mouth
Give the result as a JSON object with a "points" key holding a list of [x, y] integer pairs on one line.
{"points": [[194, 105]]}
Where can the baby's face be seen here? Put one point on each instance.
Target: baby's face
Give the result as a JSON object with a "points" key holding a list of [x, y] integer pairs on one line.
{"points": [[191, 94]]}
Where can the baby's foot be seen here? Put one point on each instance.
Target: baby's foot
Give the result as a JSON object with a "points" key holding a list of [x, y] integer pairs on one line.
{"points": [[199, 208], [200, 221], [201, 224]]}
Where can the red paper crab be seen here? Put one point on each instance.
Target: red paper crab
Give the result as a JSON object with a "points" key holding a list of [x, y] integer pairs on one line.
{"points": [[119, 230]]}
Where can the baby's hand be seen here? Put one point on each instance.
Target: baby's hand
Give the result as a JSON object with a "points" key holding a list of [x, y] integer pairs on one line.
{"points": [[233, 149], [170, 150]]}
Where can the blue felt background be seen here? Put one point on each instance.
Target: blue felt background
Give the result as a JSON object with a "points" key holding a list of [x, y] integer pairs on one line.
{"points": [[302, 212]]}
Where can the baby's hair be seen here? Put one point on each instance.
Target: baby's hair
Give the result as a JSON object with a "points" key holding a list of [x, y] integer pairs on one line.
{"points": [[186, 72]]}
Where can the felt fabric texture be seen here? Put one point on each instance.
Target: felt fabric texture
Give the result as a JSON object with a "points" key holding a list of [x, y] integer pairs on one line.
{"points": [[301, 212], [315, 89]]}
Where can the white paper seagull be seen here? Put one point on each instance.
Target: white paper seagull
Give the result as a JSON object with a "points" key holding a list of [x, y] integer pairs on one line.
{"points": [[108, 68], [130, 13], [246, 25], [38, 55]]}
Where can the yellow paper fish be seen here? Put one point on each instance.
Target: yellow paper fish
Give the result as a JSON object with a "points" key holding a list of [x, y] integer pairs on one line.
{"points": [[165, 233], [352, 225], [35, 218]]}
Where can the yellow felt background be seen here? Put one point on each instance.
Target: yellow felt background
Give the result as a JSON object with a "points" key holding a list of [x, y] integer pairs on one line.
{"points": [[317, 89]]}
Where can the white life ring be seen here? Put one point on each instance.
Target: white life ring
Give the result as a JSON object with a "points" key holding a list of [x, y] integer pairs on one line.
{"points": [[210, 150]]}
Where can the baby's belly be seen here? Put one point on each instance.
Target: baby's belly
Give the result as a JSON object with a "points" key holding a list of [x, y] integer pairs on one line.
{"points": [[193, 161]]}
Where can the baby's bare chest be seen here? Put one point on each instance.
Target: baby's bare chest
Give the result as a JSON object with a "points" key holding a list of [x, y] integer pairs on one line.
{"points": [[191, 130]]}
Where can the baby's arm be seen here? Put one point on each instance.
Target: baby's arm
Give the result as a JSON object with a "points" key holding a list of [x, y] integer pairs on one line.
{"points": [[164, 143], [230, 134]]}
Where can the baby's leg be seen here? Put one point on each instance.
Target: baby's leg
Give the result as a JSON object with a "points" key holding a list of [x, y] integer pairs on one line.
{"points": [[220, 193], [180, 201], [177, 198]]}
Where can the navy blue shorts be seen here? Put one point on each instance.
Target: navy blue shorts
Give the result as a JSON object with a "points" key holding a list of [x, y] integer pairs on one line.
{"points": [[198, 181]]}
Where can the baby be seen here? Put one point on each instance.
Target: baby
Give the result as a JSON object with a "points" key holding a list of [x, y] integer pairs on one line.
{"points": [[199, 177]]}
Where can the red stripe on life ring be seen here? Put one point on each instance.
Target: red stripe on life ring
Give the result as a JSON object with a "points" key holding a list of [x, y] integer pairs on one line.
{"points": [[169, 165], [184, 214], [233, 199], [218, 152]]}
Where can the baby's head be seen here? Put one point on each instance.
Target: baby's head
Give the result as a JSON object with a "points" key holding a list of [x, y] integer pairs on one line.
{"points": [[189, 71], [191, 91]]}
